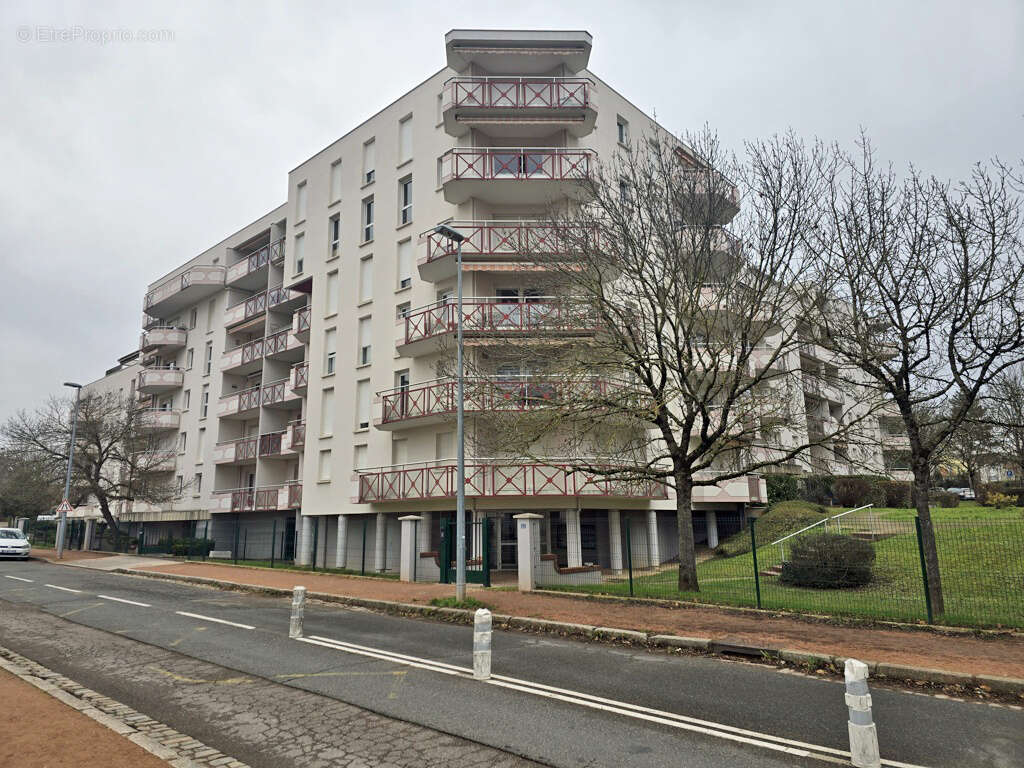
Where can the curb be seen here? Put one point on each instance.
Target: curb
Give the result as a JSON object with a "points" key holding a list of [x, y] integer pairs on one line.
{"points": [[177, 749], [1002, 685]]}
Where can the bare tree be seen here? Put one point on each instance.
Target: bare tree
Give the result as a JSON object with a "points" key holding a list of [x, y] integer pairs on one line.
{"points": [[922, 291], [1006, 416], [689, 377], [116, 458], [26, 488], [972, 445]]}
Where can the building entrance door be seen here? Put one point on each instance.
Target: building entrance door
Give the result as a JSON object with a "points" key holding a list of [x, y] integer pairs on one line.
{"points": [[508, 543]]}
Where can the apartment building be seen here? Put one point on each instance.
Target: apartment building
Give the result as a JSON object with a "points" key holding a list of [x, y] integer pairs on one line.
{"points": [[293, 368]]}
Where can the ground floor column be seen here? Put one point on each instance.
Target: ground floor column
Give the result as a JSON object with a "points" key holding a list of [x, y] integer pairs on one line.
{"points": [[615, 540], [408, 547], [341, 542], [379, 542], [87, 537], [305, 523], [424, 530], [712, 526], [573, 541], [653, 550]]}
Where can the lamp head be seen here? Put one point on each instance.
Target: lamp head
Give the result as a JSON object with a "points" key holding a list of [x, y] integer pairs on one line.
{"points": [[452, 234], [72, 384]]}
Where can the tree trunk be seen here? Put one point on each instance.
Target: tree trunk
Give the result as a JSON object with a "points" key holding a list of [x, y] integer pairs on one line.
{"points": [[931, 552], [684, 522], [107, 516]]}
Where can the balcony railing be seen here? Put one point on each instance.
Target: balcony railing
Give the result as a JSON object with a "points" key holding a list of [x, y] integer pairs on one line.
{"points": [[528, 93], [277, 392], [494, 316], [246, 309], [239, 402], [236, 451], [294, 495], [165, 336], [207, 276], [297, 433], [153, 419], [482, 163], [302, 322], [256, 260], [160, 377], [270, 443], [259, 499], [279, 295], [495, 478], [300, 376], [497, 239]]}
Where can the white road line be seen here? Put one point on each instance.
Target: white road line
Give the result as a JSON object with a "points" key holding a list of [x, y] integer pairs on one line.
{"points": [[17, 578], [218, 621], [122, 600], [65, 589], [626, 709]]}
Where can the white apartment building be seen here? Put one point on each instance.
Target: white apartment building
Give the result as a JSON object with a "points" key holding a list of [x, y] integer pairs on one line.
{"points": [[292, 367]]}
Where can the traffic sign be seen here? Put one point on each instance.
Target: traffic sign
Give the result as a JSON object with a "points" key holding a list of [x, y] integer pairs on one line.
{"points": [[64, 507]]}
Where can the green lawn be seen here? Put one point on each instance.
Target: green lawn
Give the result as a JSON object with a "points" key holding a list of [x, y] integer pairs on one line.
{"points": [[981, 557], [292, 567]]}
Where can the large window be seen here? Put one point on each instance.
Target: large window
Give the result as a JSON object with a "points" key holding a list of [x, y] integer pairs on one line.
{"points": [[365, 355], [301, 194], [405, 200], [331, 290], [365, 279], [204, 402], [300, 253], [368, 219], [405, 139], [369, 161], [334, 236], [323, 471], [335, 181], [363, 404], [330, 350], [208, 360], [327, 413], [405, 264]]}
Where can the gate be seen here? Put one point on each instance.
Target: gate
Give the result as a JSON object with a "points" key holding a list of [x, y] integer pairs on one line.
{"points": [[478, 551]]}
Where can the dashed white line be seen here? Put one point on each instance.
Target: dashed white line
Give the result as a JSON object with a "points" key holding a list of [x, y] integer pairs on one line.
{"points": [[122, 600], [64, 589], [218, 621], [17, 578]]}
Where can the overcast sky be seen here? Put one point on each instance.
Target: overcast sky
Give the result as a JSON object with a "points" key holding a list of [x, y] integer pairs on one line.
{"points": [[120, 160]]}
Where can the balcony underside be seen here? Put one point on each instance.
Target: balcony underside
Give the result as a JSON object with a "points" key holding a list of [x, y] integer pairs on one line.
{"points": [[514, 191], [237, 368], [186, 297], [445, 267], [519, 123], [163, 340], [521, 52], [250, 281]]}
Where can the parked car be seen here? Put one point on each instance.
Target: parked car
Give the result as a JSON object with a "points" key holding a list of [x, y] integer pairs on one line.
{"points": [[967, 494], [14, 544]]}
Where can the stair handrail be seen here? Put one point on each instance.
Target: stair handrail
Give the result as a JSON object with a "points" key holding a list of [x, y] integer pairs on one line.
{"points": [[823, 521]]}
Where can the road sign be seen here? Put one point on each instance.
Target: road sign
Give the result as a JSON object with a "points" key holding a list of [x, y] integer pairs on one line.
{"points": [[64, 507]]}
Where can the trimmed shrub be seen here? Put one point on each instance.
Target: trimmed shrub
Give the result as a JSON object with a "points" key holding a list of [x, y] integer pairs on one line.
{"points": [[192, 547], [945, 499], [828, 561], [896, 494], [852, 491], [782, 518], [782, 488]]}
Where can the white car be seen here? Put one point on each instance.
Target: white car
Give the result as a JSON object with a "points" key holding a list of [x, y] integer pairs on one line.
{"points": [[14, 544]]}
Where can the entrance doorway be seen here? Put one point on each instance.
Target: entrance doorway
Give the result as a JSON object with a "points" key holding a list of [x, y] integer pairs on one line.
{"points": [[508, 543]]}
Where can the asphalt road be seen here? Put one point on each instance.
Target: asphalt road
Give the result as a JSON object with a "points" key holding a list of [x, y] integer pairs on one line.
{"points": [[738, 714]]}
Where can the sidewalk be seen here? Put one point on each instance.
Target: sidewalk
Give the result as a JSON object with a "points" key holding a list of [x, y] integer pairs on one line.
{"points": [[1001, 656]]}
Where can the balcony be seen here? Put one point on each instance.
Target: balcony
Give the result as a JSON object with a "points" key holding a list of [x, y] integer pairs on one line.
{"points": [[162, 338], [300, 325], [191, 286], [158, 419], [243, 359], [160, 379], [281, 299], [820, 388], [517, 107], [283, 345], [436, 401], [280, 394], [246, 309], [526, 52], [515, 176], [295, 439], [708, 195], [493, 478], [499, 244], [241, 451], [265, 498], [425, 329], [239, 405], [300, 378], [749, 489], [250, 272], [154, 461]]}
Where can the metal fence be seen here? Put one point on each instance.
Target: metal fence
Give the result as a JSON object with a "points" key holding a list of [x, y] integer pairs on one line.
{"points": [[864, 565]]}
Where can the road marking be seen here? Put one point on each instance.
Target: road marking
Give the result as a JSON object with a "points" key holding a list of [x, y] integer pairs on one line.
{"points": [[79, 610], [218, 621], [65, 589], [122, 600], [671, 719], [17, 578]]}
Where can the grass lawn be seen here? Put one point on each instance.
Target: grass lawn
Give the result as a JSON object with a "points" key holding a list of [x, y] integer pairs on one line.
{"points": [[981, 558], [292, 567]]}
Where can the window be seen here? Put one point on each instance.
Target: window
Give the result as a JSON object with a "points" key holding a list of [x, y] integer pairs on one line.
{"points": [[624, 191], [622, 130], [334, 235], [402, 310], [323, 472], [179, 482], [335, 181], [405, 200], [208, 364], [182, 442], [330, 350], [331, 299], [190, 355], [405, 139], [399, 452], [363, 404], [440, 109], [402, 389], [365, 356], [186, 399], [359, 453], [369, 161], [204, 402], [368, 219], [200, 443], [193, 318], [405, 264], [444, 443], [211, 313], [300, 202], [300, 253], [366, 279], [327, 413], [197, 483]]}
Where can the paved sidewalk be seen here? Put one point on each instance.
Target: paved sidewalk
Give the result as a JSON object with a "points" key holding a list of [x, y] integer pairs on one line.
{"points": [[963, 653]]}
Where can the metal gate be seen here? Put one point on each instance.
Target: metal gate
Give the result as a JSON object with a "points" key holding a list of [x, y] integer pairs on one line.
{"points": [[478, 551]]}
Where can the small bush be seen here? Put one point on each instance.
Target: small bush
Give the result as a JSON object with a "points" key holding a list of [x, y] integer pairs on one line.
{"points": [[192, 547], [852, 491], [945, 499], [896, 494], [1000, 500], [828, 561], [782, 488]]}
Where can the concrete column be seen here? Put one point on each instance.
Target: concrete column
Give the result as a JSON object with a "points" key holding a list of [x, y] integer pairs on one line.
{"points": [[380, 532], [573, 542], [87, 537], [653, 550], [304, 555], [425, 528], [615, 540], [409, 552], [341, 542], [528, 548], [712, 526]]}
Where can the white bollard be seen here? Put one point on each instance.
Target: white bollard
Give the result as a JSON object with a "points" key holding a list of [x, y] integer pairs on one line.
{"points": [[863, 735], [482, 644], [298, 609]]}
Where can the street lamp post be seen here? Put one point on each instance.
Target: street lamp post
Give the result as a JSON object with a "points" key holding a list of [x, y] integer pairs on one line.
{"points": [[460, 432], [62, 524]]}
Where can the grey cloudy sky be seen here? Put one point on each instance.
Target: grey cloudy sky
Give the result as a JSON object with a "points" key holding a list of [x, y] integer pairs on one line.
{"points": [[122, 160]]}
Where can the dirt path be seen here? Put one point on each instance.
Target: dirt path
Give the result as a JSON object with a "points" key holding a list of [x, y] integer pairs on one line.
{"points": [[37, 731], [1002, 656]]}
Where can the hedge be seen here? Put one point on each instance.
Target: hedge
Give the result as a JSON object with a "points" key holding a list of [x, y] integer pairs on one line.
{"points": [[828, 561]]}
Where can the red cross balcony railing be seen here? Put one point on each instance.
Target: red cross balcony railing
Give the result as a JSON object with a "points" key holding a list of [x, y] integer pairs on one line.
{"points": [[280, 394], [255, 262], [294, 494], [263, 498], [241, 451], [300, 325], [421, 330], [541, 173], [501, 104], [296, 435], [491, 478], [270, 443], [300, 377], [246, 309], [193, 285], [239, 404]]}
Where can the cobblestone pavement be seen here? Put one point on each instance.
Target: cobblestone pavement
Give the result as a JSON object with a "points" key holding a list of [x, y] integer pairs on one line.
{"points": [[254, 720]]}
